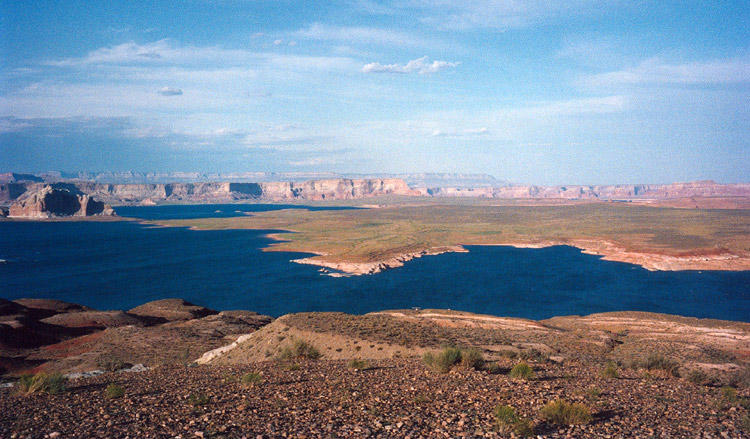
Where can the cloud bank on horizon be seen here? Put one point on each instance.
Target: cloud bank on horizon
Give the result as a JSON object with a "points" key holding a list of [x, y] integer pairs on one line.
{"points": [[547, 92]]}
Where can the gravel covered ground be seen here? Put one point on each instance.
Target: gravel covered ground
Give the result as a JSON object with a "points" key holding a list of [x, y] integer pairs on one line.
{"points": [[393, 398]]}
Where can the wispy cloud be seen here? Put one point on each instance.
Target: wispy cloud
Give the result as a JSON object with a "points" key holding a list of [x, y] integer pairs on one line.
{"points": [[420, 65], [362, 35], [169, 53], [170, 91], [485, 14], [656, 71], [460, 133]]}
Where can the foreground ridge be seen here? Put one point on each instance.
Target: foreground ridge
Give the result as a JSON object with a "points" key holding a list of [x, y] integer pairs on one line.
{"points": [[239, 374]]}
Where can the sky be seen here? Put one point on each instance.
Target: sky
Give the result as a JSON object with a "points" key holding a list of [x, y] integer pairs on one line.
{"points": [[529, 91]]}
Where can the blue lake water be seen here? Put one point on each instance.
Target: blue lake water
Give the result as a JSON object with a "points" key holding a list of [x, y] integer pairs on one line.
{"points": [[119, 265]]}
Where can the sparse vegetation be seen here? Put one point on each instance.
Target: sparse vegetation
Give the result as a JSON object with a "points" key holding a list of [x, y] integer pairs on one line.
{"points": [[300, 350], [533, 355], [42, 382], [444, 360], [358, 364], [472, 359], [198, 399], [521, 371], [610, 370], [251, 378], [697, 376], [493, 368], [561, 412], [507, 421], [594, 392], [114, 391], [109, 363], [660, 362]]}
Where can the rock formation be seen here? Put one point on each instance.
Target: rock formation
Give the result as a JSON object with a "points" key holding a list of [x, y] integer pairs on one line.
{"points": [[345, 189], [52, 201]]}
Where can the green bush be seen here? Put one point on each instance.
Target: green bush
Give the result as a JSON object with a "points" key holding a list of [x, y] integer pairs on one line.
{"points": [[561, 412], [493, 368], [300, 349], [251, 378], [358, 364], [507, 420], [660, 362], [697, 376], [533, 355], [42, 382], [114, 391], [111, 364], [472, 359], [443, 361], [198, 399], [610, 370], [521, 371], [729, 394]]}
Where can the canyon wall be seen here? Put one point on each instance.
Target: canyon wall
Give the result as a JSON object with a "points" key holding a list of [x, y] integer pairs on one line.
{"points": [[610, 192], [346, 189]]}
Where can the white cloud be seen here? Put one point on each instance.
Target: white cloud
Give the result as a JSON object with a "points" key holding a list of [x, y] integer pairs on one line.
{"points": [[490, 14], [315, 161], [655, 71], [170, 91], [420, 65], [362, 35], [167, 53], [460, 133], [278, 42]]}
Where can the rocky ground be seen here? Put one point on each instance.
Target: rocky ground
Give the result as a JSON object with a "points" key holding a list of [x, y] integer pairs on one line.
{"points": [[195, 360], [391, 398]]}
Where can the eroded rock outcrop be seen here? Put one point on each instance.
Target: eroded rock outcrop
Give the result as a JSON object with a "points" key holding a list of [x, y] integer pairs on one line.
{"points": [[52, 201]]}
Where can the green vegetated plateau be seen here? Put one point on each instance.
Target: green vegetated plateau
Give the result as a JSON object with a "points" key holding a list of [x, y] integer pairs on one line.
{"points": [[714, 239]]}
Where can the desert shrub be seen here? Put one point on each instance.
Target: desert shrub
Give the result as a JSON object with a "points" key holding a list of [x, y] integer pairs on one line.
{"points": [[472, 359], [198, 399], [42, 382], [561, 412], [507, 420], [745, 423], [729, 393], [594, 392], [697, 376], [357, 364], [533, 355], [507, 353], [493, 368], [660, 362], [442, 361], [109, 363], [114, 391], [300, 349], [522, 371], [251, 378], [610, 370]]}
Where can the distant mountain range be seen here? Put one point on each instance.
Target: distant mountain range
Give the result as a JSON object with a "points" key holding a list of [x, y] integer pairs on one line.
{"points": [[13, 187], [415, 180]]}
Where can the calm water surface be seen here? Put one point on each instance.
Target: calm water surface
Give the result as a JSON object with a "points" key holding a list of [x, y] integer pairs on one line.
{"points": [[118, 265]]}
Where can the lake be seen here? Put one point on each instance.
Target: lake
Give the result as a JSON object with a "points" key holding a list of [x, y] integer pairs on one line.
{"points": [[122, 264]]}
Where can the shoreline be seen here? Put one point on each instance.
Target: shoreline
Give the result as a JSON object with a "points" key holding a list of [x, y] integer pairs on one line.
{"points": [[608, 250]]}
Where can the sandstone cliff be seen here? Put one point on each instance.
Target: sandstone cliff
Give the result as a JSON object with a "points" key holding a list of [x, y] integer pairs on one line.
{"points": [[608, 192], [345, 189], [52, 201]]}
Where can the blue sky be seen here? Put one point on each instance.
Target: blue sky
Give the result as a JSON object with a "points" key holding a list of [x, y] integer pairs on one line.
{"points": [[545, 92]]}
